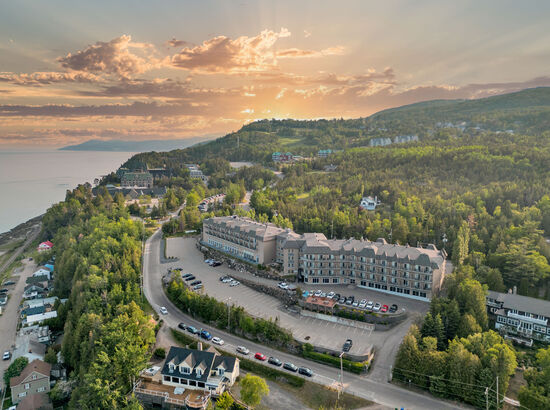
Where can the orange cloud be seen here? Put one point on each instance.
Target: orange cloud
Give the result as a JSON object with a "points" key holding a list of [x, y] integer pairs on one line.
{"points": [[299, 53], [45, 78], [112, 57]]}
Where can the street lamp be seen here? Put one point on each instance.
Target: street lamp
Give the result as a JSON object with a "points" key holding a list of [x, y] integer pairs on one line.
{"points": [[228, 313], [341, 389]]}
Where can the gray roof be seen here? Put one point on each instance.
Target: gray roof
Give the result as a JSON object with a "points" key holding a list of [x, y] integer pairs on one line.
{"points": [[523, 303], [264, 231], [204, 360], [318, 243]]}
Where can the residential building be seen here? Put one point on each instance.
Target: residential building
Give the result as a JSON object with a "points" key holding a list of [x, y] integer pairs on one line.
{"points": [[159, 173], [132, 192], [284, 157], [323, 153], [414, 272], [34, 291], [380, 142], [45, 246], [38, 318], [520, 318], [41, 302], [38, 401], [369, 203], [242, 238], [400, 139], [195, 172], [137, 179], [187, 379], [34, 379], [407, 271], [43, 272]]}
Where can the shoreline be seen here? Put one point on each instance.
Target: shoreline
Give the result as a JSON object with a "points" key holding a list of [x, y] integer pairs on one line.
{"points": [[20, 230]]}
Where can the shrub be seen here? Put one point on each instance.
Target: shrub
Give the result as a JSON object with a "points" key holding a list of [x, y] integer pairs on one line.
{"points": [[160, 353], [354, 367]]}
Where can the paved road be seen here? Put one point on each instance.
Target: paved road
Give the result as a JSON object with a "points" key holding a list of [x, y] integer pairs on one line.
{"points": [[8, 320], [379, 392]]}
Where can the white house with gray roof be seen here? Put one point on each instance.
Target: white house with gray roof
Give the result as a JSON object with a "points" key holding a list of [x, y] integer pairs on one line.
{"points": [[520, 318]]}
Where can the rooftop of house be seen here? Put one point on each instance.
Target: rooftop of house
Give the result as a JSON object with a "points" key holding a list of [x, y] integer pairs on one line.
{"points": [[35, 366], [195, 359], [40, 401], [521, 303]]}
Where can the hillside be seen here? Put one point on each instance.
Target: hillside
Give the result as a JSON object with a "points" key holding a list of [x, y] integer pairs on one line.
{"points": [[527, 112], [135, 146]]}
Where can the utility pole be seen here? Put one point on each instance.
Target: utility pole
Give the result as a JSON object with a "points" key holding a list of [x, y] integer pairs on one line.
{"points": [[486, 398], [341, 389], [228, 313], [497, 395]]}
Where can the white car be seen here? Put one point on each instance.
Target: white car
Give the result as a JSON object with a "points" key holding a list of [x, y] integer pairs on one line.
{"points": [[363, 304], [377, 307], [370, 305], [242, 350], [318, 293], [323, 295], [6, 356], [163, 310], [217, 341], [283, 285], [227, 280], [235, 283], [330, 295], [355, 304], [208, 261]]}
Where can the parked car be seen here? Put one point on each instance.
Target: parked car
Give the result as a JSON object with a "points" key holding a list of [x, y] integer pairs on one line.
{"points": [[377, 307], [384, 308], [323, 295], [290, 366], [189, 278], [163, 310], [3, 291], [182, 326], [218, 341], [197, 287], [363, 303], [209, 261], [193, 330], [227, 279], [305, 294], [342, 300], [242, 350], [196, 282], [8, 283], [305, 371], [330, 295], [336, 297], [7, 355], [393, 308], [317, 293], [216, 263], [274, 361], [283, 285], [206, 335], [350, 300], [370, 304], [235, 283], [186, 275], [355, 303], [222, 278], [347, 345], [260, 356]]}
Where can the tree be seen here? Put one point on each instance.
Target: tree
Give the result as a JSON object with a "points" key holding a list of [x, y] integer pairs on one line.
{"points": [[253, 389], [51, 356], [224, 402], [536, 395], [468, 326], [15, 369], [461, 245]]}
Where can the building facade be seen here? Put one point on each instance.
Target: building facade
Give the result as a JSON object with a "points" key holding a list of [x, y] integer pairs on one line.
{"points": [[35, 378], [402, 270], [520, 318], [137, 179], [242, 238]]}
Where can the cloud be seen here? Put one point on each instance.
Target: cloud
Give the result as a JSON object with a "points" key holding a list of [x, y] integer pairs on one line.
{"points": [[178, 43], [112, 57], [299, 53], [46, 78]]}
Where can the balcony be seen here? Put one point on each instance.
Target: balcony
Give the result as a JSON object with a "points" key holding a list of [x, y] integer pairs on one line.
{"points": [[528, 319]]}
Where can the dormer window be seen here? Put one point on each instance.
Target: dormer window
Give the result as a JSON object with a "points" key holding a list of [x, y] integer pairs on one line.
{"points": [[220, 371], [199, 372], [185, 370]]}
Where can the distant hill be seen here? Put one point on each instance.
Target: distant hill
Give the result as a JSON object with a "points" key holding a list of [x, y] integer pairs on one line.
{"points": [[137, 146], [524, 112]]}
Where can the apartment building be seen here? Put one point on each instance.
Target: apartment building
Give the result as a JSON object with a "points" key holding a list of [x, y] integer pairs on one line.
{"points": [[520, 318], [402, 270], [137, 179], [242, 238]]}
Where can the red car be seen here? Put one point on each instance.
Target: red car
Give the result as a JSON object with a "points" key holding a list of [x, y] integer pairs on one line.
{"points": [[384, 308], [260, 356]]}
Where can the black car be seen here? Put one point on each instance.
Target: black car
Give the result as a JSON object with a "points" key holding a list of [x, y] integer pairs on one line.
{"points": [[290, 366], [274, 361], [193, 330], [186, 275], [195, 283], [182, 326], [190, 278], [9, 282], [222, 278], [336, 297], [350, 300], [393, 308], [347, 345], [305, 371], [216, 263], [3, 291]]}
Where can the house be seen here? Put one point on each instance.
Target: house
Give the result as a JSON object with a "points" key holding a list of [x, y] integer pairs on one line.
{"points": [[187, 379], [34, 291], [369, 203], [49, 266], [520, 318], [38, 401], [32, 311], [38, 318], [45, 246], [43, 272], [323, 153], [34, 379], [283, 157], [41, 302], [330, 168]]}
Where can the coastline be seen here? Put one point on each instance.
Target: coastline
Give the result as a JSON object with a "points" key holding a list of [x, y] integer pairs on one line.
{"points": [[20, 230]]}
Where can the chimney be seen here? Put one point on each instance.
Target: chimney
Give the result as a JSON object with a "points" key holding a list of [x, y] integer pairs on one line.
{"points": [[199, 346]]}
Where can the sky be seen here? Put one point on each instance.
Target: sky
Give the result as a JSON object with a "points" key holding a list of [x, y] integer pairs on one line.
{"points": [[138, 70]]}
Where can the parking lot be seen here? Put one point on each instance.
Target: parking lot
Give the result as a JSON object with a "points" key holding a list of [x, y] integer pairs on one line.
{"points": [[318, 332]]}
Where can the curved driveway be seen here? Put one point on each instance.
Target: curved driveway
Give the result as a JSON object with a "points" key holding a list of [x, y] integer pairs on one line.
{"points": [[380, 392]]}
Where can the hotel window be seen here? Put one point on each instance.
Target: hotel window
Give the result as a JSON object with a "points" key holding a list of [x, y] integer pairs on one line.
{"points": [[326, 280], [315, 280], [335, 280]]}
